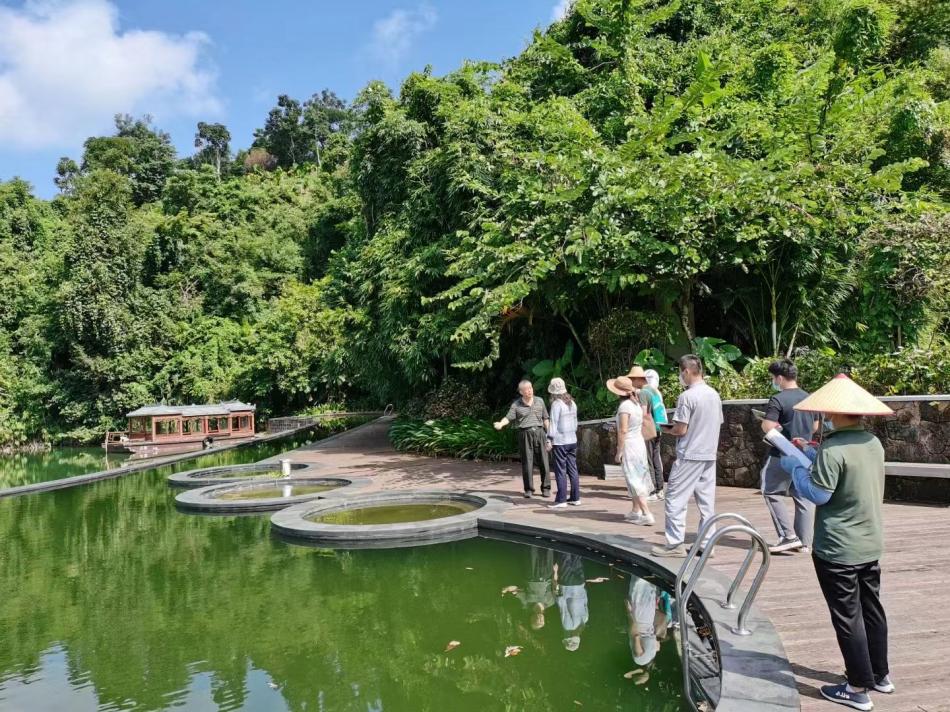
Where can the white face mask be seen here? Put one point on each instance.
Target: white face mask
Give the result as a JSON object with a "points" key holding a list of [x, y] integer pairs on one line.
{"points": [[829, 424]]}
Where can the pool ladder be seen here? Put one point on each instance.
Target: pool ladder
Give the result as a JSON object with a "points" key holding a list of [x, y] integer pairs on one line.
{"points": [[692, 569]]}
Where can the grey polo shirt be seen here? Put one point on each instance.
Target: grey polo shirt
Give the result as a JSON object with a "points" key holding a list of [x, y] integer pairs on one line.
{"points": [[700, 408], [527, 416]]}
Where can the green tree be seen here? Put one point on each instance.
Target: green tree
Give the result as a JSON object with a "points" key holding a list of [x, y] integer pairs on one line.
{"points": [[138, 151], [213, 142]]}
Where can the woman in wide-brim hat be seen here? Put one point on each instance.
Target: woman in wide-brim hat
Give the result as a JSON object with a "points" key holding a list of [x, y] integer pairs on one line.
{"points": [[846, 483], [632, 449]]}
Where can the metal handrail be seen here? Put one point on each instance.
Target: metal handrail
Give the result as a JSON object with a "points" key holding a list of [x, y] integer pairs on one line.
{"points": [[684, 592]]}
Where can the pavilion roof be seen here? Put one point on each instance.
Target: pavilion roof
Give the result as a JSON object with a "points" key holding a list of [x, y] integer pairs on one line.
{"points": [[192, 411]]}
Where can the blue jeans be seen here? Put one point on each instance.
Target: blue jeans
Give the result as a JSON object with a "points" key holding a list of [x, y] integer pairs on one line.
{"points": [[565, 466]]}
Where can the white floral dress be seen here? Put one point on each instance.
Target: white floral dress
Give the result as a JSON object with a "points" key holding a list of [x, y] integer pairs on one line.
{"points": [[636, 468]]}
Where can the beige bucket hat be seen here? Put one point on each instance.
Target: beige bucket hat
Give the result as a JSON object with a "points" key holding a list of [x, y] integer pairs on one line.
{"points": [[621, 386], [557, 387], [843, 396], [637, 372]]}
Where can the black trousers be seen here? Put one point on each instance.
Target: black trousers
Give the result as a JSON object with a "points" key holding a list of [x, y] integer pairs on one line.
{"points": [[531, 448], [565, 468], [853, 595]]}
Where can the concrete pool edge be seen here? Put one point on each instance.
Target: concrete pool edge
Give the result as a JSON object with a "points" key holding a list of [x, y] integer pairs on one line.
{"points": [[202, 499], [293, 523], [756, 675], [204, 477]]}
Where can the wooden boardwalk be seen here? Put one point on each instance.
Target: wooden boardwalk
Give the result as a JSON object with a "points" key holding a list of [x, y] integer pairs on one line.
{"points": [[916, 566]]}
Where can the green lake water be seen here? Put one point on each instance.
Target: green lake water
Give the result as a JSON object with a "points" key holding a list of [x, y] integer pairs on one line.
{"points": [[27, 468], [111, 599]]}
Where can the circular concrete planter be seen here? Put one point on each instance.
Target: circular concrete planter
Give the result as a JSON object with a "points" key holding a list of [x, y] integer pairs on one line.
{"points": [[227, 498], [229, 474], [296, 522]]}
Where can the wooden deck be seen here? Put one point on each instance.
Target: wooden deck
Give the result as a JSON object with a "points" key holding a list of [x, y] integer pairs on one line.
{"points": [[916, 567]]}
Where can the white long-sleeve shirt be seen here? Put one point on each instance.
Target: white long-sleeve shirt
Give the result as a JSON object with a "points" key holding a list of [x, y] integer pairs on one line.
{"points": [[562, 427]]}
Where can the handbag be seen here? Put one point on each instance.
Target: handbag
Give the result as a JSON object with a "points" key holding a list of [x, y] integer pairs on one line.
{"points": [[648, 429]]}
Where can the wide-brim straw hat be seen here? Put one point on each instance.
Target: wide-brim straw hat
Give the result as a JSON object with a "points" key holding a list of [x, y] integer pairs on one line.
{"points": [[621, 386], [557, 387], [843, 396], [637, 372]]}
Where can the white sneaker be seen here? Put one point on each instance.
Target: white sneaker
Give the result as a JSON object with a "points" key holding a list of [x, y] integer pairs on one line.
{"points": [[647, 521], [653, 497], [558, 505], [633, 517], [574, 502]]}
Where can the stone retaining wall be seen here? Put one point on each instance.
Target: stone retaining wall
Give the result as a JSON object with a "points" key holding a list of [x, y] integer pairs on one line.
{"points": [[919, 432]]}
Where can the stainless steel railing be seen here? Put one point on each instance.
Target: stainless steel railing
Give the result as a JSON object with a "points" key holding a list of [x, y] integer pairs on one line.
{"points": [[692, 569]]}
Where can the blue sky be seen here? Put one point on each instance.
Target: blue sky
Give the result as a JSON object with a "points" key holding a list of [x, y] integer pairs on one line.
{"points": [[67, 66]]}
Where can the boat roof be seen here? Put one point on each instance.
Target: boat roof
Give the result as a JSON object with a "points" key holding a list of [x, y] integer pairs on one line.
{"points": [[225, 408]]}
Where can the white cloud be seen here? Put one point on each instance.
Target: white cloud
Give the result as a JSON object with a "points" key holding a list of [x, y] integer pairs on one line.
{"points": [[394, 35], [561, 9], [66, 68]]}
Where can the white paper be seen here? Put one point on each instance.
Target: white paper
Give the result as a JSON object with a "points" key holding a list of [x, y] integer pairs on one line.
{"points": [[775, 438]]}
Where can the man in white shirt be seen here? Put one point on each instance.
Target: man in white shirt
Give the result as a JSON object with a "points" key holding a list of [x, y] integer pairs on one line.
{"points": [[696, 425]]}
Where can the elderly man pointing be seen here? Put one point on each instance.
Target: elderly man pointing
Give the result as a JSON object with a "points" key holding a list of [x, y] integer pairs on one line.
{"points": [[530, 417], [846, 483]]}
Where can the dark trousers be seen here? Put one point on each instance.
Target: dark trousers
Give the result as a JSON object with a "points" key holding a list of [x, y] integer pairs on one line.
{"points": [[531, 448], [853, 597], [656, 462], [565, 468]]}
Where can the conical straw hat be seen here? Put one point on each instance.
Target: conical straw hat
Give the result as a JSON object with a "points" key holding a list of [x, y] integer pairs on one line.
{"points": [[843, 396]]}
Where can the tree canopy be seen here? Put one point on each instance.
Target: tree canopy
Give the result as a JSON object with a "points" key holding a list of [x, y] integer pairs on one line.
{"points": [[646, 172]]}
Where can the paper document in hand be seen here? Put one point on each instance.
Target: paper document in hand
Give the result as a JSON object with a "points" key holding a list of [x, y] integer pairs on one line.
{"points": [[776, 439]]}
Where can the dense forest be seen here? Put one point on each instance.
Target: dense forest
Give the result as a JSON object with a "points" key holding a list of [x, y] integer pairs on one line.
{"points": [[739, 177]]}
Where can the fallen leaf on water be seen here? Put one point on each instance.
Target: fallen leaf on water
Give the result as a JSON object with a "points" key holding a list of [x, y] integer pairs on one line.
{"points": [[453, 644], [510, 589], [599, 579], [469, 568], [630, 674], [512, 650], [578, 703]]}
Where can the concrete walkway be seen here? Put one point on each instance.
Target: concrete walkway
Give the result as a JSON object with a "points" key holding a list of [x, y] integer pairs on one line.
{"points": [[916, 578]]}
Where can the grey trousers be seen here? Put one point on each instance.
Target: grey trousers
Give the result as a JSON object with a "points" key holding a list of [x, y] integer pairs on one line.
{"points": [[689, 478], [531, 448], [776, 487], [656, 462]]}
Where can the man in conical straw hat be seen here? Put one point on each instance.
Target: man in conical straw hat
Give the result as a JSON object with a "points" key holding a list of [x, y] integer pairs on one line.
{"points": [[846, 482]]}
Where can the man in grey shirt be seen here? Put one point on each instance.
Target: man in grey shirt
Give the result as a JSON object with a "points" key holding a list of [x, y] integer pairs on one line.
{"points": [[530, 416], [696, 425]]}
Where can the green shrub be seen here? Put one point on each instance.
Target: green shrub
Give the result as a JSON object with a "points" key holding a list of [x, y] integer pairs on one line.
{"points": [[465, 438]]}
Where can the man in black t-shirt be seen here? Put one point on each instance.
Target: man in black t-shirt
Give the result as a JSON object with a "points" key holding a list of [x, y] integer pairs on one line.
{"points": [[776, 483]]}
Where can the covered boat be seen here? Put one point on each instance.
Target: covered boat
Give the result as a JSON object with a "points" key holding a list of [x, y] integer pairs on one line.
{"points": [[166, 429]]}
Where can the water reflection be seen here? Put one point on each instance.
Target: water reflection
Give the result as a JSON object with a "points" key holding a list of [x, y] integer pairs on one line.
{"points": [[571, 589], [113, 600], [26, 468], [538, 594]]}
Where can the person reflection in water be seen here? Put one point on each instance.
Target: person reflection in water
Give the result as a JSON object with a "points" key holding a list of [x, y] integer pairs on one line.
{"points": [[571, 598], [538, 595], [649, 612]]}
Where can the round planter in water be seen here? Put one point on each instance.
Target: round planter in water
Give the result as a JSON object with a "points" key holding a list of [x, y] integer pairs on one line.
{"points": [[387, 518], [228, 474], [264, 495]]}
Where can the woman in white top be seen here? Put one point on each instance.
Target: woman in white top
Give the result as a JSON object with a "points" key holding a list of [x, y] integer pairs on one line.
{"points": [[562, 438], [632, 449]]}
